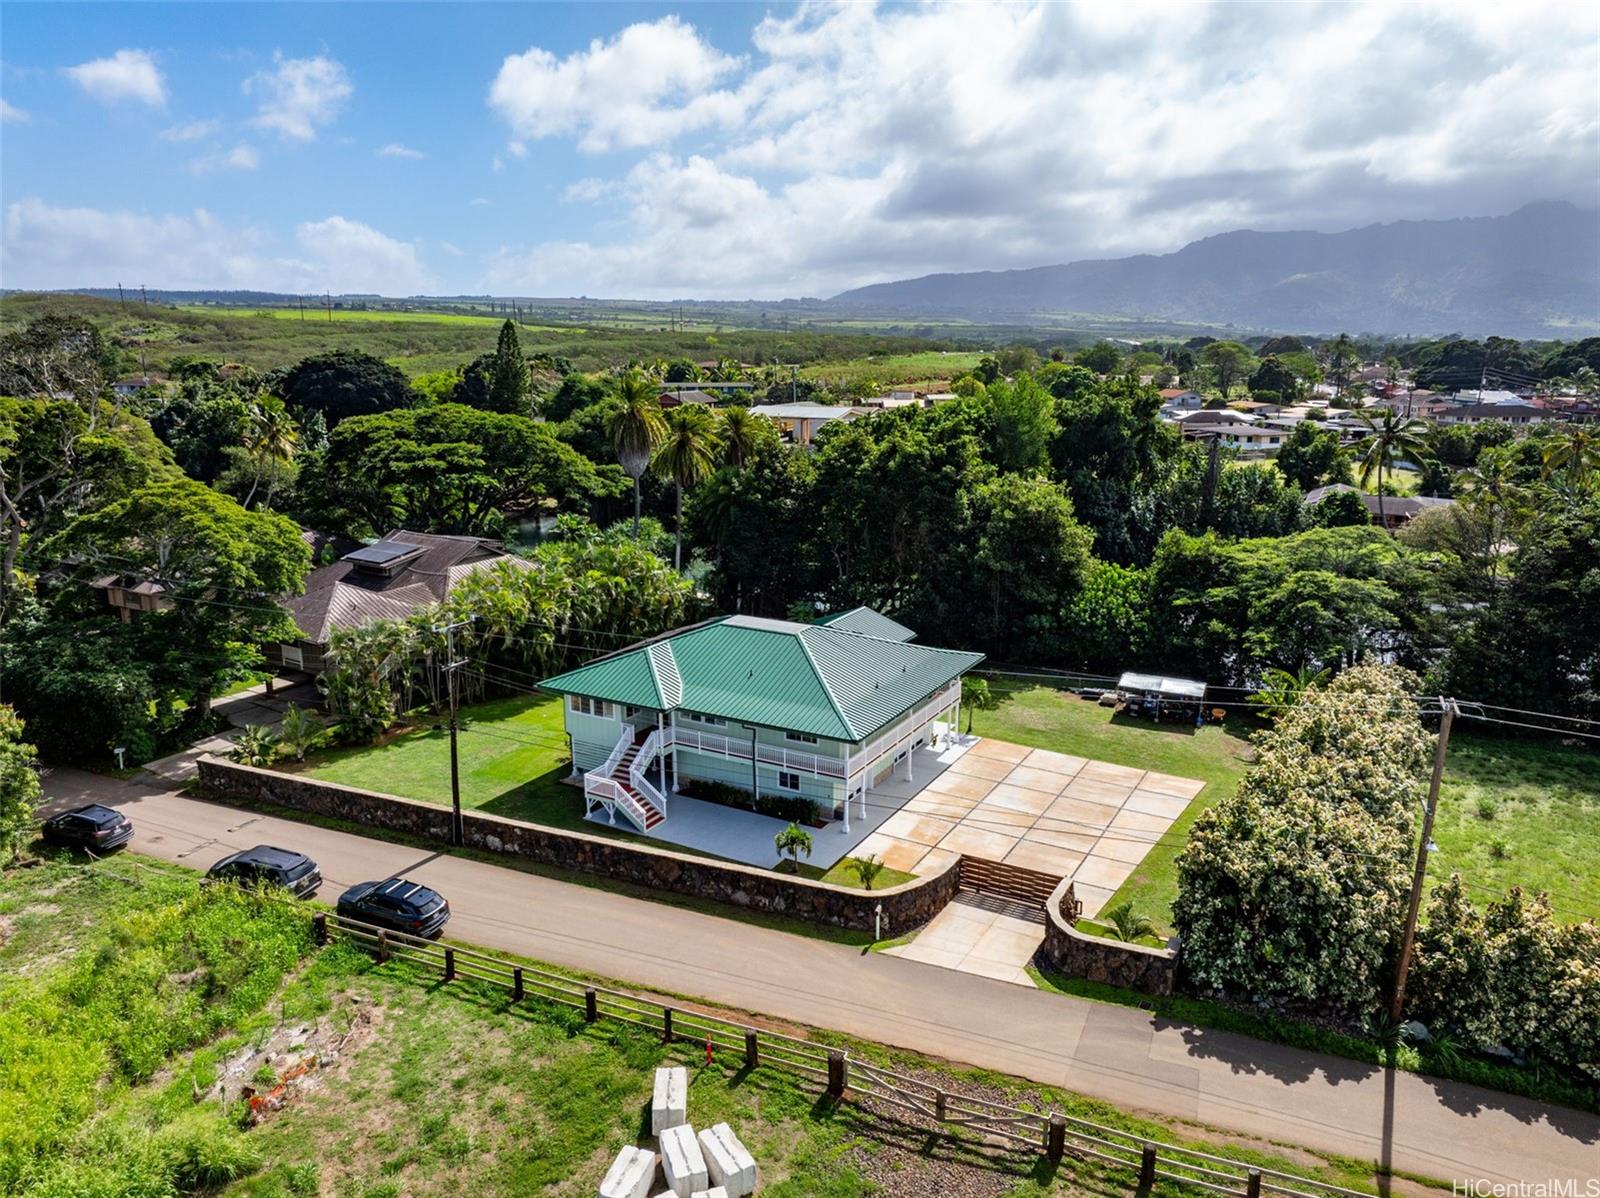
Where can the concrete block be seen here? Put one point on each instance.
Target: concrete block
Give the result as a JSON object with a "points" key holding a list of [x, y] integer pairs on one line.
{"points": [[682, 1162], [669, 1107], [731, 1166], [713, 1192], [630, 1174]]}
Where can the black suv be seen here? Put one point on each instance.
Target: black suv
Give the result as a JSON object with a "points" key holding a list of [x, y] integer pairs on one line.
{"points": [[265, 864], [398, 904], [92, 827]]}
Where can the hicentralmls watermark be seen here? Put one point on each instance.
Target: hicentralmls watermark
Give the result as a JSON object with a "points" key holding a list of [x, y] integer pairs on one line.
{"points": [[1555, 1187]]}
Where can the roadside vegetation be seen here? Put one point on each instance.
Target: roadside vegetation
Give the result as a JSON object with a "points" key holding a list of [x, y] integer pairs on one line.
{"points": [[538, 1101]]}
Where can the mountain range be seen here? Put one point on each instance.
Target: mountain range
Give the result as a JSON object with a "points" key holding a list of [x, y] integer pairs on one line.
{"points": [[1532, 273]]}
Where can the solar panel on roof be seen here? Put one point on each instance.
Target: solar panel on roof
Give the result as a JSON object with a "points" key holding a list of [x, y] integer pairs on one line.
{"points": [[381, 553]]}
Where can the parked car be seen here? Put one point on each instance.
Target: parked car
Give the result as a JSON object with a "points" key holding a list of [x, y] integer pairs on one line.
{"points": [[267, 864], [398, 905], [92, 827]]}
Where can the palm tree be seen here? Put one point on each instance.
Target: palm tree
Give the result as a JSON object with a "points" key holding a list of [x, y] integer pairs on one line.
{"points": [[1281, 690], [1128, 925], [741, 434], [687, 456], [1577, 450], [1394, 438], [866, 869], [635, 429], [796, 842], [976, 696], [270, 438]]}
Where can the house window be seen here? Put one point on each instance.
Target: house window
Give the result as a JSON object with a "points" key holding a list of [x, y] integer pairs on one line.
{"points": [[804, 738], [584, 705], [788, 781], [629, 711], [701, 717]]}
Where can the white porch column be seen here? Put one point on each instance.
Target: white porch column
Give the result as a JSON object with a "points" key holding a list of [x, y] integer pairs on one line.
{"points": [[673, 717], [957, 728]]}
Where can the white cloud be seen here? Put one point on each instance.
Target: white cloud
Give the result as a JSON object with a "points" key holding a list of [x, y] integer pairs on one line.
{"points": [[862, 143], [48, 246], [299, 94], [477, 202], [396, 150], [451, 248], [9, 112], [243, 157], [192, 131], [652, 81], [126, 75]]}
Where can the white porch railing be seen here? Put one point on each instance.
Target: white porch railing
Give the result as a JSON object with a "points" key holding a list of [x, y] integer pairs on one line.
{"points": [[608, 794], [905, 731]]}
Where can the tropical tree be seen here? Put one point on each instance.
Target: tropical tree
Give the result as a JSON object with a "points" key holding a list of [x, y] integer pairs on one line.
{"points": [[1393, 438], [509, 381], [1281, 690], [1577, 451], [1342, 359], [256, 745], [300, 731], [976, 696], [794, 842], [19, 786], [271, 439], [866, 869], [742, 434], [687, 456], [1128, 924], [1228, 362], [635, 429]]}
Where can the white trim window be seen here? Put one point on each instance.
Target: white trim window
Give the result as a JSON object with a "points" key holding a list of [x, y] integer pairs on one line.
{"points": [[700, 717], [789, 781], [804, 738], [584, 705]]}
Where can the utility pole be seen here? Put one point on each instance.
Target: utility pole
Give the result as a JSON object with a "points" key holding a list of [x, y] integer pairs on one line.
{"points": [[451, 665], [121, 300], [1447, 714]]}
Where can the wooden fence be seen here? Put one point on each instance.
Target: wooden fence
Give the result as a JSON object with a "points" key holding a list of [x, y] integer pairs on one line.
{"points": [[1007, 881], [842, 1075]]}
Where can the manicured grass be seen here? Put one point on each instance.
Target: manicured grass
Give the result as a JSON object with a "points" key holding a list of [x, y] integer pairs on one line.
{"points": [[426, 1089], [841, 874], [1521, 812], [513, 755], [1046, 717]]}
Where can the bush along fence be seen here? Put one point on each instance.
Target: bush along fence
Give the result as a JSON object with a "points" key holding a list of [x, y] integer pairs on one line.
{"points": [[1115, 962], [890, 911], [842, 1075]]}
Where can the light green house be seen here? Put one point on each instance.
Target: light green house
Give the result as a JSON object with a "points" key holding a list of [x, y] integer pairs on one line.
{"points": [[821, 711]]}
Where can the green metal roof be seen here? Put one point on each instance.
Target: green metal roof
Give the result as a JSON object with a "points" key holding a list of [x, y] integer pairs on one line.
{"points": [[808, 678], [868, 623]]}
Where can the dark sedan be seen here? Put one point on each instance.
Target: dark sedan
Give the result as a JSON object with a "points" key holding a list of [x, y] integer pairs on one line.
{"points": [[93, 827], [396, 904], [268, 865]]}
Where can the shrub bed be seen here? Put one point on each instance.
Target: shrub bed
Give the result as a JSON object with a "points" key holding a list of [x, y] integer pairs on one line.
{"points": [[785, 807]]}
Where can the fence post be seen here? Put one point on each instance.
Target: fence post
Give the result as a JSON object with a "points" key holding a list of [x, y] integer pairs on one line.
{"points": [[319, 928], [838, 1073], [1252, 1185], [666, 1025], [516, 984], [1147, 1166], [938, 1105], [1055, 1140], [449, 964], [383, 945], [591, 1006], [752, 1051]]}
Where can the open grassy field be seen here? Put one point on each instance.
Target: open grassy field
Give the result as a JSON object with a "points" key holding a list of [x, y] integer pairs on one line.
{"points": [[313, 313], [417, 1088], [892, 369]]}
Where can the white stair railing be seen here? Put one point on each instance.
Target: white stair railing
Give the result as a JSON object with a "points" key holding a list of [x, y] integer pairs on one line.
{"points": [[639, 771], [608, 794]]}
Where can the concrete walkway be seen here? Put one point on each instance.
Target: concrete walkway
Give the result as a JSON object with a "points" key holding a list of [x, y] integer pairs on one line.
{"points": [[1120, 1054], [991, 937]]}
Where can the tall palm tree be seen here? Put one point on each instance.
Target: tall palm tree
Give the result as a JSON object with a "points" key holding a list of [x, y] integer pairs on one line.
{"points": [[1577, 450], [1394, 438], [741, 434], [687, 456], [635, 429], [270, 438]]}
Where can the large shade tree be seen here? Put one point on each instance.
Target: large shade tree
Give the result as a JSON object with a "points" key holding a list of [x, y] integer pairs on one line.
{"points": [[343, 384]]}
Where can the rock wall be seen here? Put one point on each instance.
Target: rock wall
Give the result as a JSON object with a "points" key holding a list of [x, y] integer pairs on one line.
{"points": [[905, 907], [1096, 959]]}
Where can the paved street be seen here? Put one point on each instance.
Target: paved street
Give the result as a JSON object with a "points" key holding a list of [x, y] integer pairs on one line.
{"points": [[1118, 1054]]}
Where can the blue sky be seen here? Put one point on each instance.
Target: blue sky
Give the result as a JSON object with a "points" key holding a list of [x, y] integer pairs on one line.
{"points": [[739, 150]]}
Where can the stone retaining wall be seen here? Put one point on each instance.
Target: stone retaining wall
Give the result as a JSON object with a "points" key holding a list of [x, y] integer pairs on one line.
{"points": [[905, 907], [1096, 959]]}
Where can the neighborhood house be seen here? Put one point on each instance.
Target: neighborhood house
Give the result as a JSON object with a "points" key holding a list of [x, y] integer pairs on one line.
{"points": [[818, 711]]}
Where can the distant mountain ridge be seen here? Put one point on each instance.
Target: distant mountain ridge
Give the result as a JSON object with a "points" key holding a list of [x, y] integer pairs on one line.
{"points": [[1532, 273]]}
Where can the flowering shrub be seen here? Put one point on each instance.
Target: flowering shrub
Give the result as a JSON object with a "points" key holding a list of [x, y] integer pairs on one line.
{"points": [[1295, 887]]}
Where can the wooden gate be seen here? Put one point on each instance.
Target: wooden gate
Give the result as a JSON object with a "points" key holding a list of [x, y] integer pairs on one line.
{"points": [[1013, 882]]}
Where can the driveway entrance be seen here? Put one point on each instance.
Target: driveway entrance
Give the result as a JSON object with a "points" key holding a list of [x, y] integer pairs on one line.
{"points": [[980, 933]]}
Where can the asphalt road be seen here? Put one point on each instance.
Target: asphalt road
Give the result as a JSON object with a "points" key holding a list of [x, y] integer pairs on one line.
{"points": [[1440, 1129]]}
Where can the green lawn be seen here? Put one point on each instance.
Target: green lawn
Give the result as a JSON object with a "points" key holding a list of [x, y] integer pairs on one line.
{"points": [[421, 1088], [513, 755], [1514, 812], [1049, 718]]}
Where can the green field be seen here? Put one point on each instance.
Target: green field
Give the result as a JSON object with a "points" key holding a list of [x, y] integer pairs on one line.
{"points": [[380, 315], [135, 1005], [892, 369]]}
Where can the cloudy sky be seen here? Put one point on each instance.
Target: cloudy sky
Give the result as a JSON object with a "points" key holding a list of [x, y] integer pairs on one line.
{"points": [[727, 150]]}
